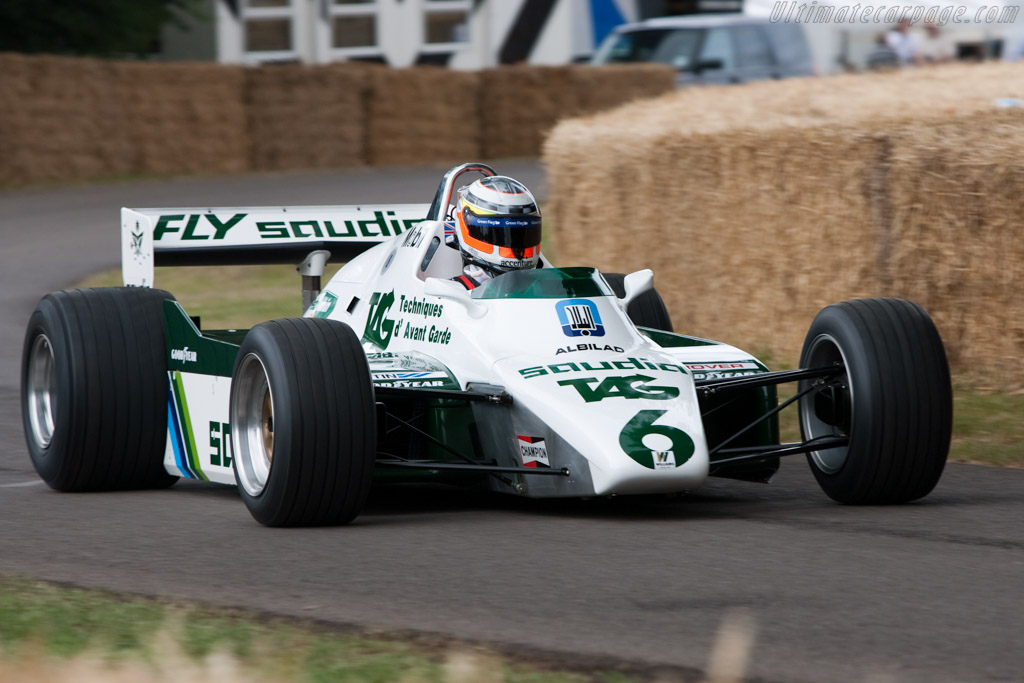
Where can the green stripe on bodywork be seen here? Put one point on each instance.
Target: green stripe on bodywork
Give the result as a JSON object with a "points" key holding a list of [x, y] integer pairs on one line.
{"points": [[668, 340], [189, 438], [211, 356]]}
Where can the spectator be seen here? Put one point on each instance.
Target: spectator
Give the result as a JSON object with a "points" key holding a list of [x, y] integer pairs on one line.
{"points": [[1013, 48], [902, 43], [936, 47], [882, 57]]}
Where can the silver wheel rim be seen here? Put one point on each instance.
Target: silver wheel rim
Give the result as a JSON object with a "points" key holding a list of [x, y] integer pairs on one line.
{"points": [[252, 425], [42, 390], [825, 351]]}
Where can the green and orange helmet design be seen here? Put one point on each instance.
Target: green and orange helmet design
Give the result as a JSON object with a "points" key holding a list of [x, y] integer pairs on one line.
{"points": [[498, 224]]}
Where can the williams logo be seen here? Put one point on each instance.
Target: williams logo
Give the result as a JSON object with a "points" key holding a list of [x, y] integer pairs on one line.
{"points": [[664, 460], [137, 243], [579, 318], [184, 355]]}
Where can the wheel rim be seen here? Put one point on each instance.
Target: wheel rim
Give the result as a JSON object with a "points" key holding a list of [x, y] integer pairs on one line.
{"points": [[825, 351], [252, 425], [42, 390]]}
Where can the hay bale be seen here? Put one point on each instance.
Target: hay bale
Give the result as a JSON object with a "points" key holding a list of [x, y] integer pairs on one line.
{"points": [[955, 236], [185, 118], [303, 117], [69, 118], [14, 76], [606, 87], [55, 117], [422, 115], [520, 104], [764, 203], [66, 118]]}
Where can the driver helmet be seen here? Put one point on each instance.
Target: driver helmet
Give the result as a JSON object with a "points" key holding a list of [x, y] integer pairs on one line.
{"points": [[498, 224]]}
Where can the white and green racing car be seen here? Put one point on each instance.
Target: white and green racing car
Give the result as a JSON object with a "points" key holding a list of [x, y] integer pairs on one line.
{"points": [[548, 382]]}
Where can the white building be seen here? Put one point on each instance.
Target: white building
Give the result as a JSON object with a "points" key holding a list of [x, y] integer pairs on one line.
{"points": [[462, 34], [474, 34]]}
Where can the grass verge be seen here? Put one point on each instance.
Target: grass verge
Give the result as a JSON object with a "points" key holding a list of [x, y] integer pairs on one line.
{"points": [[58, 634], [227, 297]]}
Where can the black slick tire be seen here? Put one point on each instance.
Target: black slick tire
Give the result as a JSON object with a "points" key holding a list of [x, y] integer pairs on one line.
{"points": [[647, 310], [94, 389], [896, 402], [303, 423]]}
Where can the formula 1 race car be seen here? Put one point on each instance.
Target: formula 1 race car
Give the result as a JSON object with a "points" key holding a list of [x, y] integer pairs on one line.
{"points": [[547, 382]]}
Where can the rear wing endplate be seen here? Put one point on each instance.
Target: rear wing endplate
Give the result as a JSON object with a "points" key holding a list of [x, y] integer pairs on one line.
{"points": [[252, 236]]}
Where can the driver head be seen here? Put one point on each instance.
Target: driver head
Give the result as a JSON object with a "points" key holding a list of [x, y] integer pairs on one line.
{"points": [[499, 225]]}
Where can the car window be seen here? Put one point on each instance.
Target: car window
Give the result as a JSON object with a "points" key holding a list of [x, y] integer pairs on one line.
{"points": [[617, 48], [678, 48], [675, 47], [790, 44], [718, 47], [752, 47]]}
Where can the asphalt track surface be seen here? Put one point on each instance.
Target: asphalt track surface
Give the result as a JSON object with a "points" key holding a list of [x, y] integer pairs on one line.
{"points": [[932, 591]]}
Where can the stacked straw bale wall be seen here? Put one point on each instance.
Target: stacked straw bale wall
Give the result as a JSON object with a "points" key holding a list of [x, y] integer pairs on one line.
{"points": [[39, 138], [417, 116], [68, 119], [183, 118], [756, 206], [520, 105], [307, 116]]}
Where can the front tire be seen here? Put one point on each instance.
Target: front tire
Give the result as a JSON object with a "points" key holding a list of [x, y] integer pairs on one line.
{"points": [[895, 401], [94, 389], [303, 423]]}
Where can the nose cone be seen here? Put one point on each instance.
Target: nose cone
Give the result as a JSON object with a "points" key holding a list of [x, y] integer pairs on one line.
{"points": [[634, 418]]}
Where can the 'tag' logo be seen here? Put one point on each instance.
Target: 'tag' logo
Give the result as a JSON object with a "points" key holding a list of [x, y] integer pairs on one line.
{"points": [[379, 327]]}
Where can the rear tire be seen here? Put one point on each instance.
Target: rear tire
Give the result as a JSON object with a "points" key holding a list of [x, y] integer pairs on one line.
{"points": [[303, 423], [647, 310], [896, 403], [94, 389]]}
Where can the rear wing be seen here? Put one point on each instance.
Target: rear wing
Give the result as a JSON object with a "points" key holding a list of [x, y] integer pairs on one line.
{"points": [[251, 236]]}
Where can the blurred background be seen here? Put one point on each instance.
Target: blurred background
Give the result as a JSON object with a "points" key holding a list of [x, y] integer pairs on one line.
{"points": [[471, 34], [765, 158]]}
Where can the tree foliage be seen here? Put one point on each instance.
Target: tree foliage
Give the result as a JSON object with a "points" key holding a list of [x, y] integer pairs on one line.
{"points": [[99, 28]]}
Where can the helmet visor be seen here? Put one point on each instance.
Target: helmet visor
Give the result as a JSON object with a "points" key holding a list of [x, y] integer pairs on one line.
{"points": [[511, 232]]}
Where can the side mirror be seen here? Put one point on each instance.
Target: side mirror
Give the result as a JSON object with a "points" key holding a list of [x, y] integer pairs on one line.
{"points": [[636, 284], [453, 291]]}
